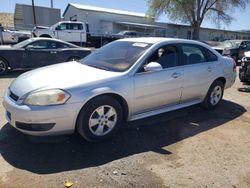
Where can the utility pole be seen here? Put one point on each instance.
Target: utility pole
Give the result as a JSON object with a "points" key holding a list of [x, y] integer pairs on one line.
{"points": [[34, 12], [51, 2]]}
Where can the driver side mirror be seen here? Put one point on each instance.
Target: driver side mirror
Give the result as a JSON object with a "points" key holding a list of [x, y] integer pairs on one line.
{"points": [[152, 67], [58, 27]]}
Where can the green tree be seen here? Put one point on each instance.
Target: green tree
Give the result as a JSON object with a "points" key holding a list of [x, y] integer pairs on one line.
{"points": [[195, 11]]}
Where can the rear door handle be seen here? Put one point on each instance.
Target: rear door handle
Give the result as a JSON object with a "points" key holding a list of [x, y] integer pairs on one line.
{"points": [[209, 69], [69, 32], [53, 52], [176, 75]]}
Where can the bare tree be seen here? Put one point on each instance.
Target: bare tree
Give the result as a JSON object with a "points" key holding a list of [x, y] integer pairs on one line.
{"points": [[195, 11]]}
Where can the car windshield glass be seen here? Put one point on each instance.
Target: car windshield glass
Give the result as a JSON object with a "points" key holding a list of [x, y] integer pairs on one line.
{"points": [[23, 43], [230, 44], [117, 56]]}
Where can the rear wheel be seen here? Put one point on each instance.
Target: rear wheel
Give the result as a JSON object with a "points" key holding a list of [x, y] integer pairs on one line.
{"points": [[214, 95], [3, 66], [242, 77], [100, 119], [46, 36]]}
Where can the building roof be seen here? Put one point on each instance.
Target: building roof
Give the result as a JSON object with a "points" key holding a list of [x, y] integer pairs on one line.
{"points": [[140, 25], [100, 9]]}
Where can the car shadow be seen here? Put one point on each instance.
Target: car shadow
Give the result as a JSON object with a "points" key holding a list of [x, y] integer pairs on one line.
{"points": [[46, 155]]}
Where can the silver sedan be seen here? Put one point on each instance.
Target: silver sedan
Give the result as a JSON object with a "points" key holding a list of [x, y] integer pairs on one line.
{"points": [[125, 80]]}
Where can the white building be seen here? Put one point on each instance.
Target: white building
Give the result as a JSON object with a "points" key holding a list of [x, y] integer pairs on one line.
{"points": [[103, 20]]}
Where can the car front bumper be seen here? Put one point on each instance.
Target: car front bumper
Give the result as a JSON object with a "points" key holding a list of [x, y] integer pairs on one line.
{"points": [[42, 120]]}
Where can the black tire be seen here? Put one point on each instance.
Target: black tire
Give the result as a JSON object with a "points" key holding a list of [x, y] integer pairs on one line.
{"points": [[207, 103], [74, 59], [46, 36], [4, 67], [242, 78], [89, 110]]}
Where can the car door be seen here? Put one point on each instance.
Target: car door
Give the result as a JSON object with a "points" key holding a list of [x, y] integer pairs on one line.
{"points": [[37, 54], [72, 32], [64, 32], [199, 72], [78, 33], [155, 90]]}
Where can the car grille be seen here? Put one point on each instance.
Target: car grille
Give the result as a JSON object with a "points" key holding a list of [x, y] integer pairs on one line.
{"points": [[220, 51], [13, 96]]}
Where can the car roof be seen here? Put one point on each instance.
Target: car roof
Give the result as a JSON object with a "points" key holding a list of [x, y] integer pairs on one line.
{"points": [[154, 40], [53, 39]]}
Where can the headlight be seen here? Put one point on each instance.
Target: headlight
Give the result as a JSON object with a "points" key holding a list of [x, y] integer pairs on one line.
{"points": [[47, 97]]}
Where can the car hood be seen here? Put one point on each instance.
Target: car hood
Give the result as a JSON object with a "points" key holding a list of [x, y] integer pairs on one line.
{"points": [[4, 47], [63, 76]]}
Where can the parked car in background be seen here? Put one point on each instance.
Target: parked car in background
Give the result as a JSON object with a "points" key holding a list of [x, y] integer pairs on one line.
{"points": [[130, 33], [244, 72], [8, 36], [233, 48], [125, 80], [38, 52]]}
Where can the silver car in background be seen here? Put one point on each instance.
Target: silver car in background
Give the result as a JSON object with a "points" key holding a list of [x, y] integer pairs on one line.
{"points": [[125, 80]]}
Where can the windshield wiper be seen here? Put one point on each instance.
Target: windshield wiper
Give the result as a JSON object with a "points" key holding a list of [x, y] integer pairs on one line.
{"points": [[99, 67]]}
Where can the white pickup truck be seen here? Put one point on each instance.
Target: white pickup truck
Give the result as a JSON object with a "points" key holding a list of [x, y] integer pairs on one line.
{"points": [[65, 30], [75, 32]]}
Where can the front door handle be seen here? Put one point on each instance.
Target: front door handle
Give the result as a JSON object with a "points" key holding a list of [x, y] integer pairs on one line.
{"points": [[176, 75], [53, 52], [209, 69]]}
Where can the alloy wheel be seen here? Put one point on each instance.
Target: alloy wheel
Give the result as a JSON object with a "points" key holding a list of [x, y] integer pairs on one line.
{"points": [[102, 120], [216, 95]]}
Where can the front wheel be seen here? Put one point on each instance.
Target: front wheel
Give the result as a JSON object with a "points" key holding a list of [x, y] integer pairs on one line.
{"points": [[214, 95], [3, 66], [100, 119]]}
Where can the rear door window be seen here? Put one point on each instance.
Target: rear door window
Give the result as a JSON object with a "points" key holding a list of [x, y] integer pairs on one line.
{"points": [[193, 54]]}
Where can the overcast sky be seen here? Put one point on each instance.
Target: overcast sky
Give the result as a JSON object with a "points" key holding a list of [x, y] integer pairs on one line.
{"points": [[241, 17]]}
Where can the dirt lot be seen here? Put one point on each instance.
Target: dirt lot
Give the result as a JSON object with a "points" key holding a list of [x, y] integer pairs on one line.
{"points": [[186, 148]]}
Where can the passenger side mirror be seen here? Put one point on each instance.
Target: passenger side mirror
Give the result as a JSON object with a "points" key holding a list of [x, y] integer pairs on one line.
{"points": [[58, 27], [153, 67]]}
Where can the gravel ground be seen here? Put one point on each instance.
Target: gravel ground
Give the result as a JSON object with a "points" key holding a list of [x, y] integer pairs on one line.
{"points": [[191, 147]]}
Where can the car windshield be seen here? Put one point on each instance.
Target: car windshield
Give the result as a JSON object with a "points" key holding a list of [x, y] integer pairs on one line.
{"points": [[117, 56], [230, 44], [23, 43]]}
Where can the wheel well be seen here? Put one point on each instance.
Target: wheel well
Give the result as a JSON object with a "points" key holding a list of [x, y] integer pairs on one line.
{"points": [[45, 35], [222, 79], [5, 61], [121, 101]]}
